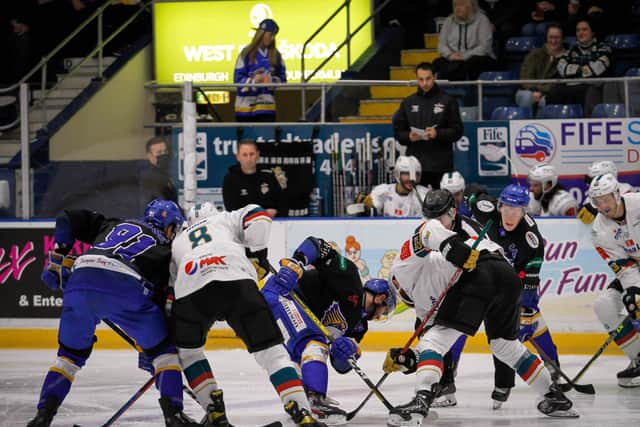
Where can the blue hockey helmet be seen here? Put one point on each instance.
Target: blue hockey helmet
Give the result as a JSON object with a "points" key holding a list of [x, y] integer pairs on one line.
{"points": [[163, 213], [515, 195], [381, 287]]}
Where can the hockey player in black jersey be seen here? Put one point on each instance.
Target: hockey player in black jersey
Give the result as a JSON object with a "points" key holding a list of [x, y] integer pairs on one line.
{"points": [[115, 279], [488, 290], [331, 287]]}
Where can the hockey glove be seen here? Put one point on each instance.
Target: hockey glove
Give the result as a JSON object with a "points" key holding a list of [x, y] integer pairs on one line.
{"points": [[472, 260], [530, 297], [58, 271], [146, 363], [631, 301], [528, 323], [287, 277], [259, 261], [587, 214], [344, 348], [406, 363], [312, 250]]}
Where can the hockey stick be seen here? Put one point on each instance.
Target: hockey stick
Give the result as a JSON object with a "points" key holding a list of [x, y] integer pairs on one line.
{"points": [[135, 345], [604, 345], [130, 402], [427, 317], [580, 388]]}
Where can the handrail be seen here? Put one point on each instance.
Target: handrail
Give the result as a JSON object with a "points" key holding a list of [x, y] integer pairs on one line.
{"points": [[346, 41]]}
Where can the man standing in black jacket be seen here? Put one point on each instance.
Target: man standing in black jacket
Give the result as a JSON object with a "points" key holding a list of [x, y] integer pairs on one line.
{"points": [[428, 123], [245, 184]]}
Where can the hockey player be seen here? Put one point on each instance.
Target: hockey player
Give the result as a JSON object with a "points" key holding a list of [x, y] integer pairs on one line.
{"points": [[127, 263], [396, 199], [454, 183], [488, 290], [213, 280], [332, 290], [548, 198], [588, 212], [616, 236]]}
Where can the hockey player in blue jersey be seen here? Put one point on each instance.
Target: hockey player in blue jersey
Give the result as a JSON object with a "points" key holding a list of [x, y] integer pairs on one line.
{"points": [[115, 279], [331, 288]]}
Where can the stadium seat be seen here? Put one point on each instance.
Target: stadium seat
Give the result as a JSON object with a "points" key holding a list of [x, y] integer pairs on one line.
{"points": [[633, 72], [626, 48], [495, 96], [516, 48], [469, 114], [562, 111], [570, 41], [603, 111], [623, 41], [511, 112]]}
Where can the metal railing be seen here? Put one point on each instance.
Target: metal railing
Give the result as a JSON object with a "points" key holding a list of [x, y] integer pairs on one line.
{"points": [[345, 42], [479, 84]]}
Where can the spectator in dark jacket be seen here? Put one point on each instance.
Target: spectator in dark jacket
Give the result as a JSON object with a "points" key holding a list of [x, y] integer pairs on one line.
{"points": [[245, 184], [428, 123], [156, 178], [587, 59], [541, 15]]}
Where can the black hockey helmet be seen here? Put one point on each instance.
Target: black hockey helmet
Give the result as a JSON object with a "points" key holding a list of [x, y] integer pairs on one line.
{"points": [[437, 203]]}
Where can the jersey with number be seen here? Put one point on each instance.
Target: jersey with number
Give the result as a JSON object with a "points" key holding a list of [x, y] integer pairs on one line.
{"points": [[421, 275], [560, 203], [389, 202], [618, 242], [213, 249], [128, 246]]}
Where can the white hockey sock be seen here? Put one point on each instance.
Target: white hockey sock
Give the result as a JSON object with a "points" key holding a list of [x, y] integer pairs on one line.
{"points": [[198, 372], [527, 365]]}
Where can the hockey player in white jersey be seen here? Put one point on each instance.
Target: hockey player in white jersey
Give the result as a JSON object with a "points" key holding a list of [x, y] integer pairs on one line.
{"points": [[548, 197], [588, 212], [399, 198], [213, 280], [487, 290], [616, 237]]}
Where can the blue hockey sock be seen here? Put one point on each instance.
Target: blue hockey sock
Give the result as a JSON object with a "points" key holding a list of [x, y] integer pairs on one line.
{"points": [[458, 346], [545, 342], [315, 376]]}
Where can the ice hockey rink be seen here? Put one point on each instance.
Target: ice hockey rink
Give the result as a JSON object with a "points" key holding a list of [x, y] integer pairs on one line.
{"points": [[111, 377]]}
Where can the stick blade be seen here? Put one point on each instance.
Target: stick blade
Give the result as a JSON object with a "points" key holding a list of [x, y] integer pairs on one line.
{"points": [[585, 388]]}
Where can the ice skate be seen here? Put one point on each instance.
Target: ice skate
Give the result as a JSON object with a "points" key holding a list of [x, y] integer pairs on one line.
{"points": [[630, 377], [174, 417], [301, 416], [411, 414], [216, 414], [499, 396], [325, 410], [556, 404], [45, 415], [446, 397]]}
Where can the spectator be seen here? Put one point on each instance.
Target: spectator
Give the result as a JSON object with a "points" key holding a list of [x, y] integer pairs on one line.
{"points": [[541, 17], [245, 184], [156, 178], [259, 62], [588, 58], [428, 123], [540, 63], [605, 16], [465, 43], [20, 40]]}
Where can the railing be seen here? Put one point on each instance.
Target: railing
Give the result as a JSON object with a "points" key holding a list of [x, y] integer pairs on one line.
{"points": [[346, 41], [479, 84]]}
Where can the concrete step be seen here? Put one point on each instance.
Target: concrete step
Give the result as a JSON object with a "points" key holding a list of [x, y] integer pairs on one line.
{"points": [[431, 40], [385, 92], [57, 102], [59, 93], [416, 56], [8, 149], [36, 114], [378, 107], [365, 119], [91, 62], [73, 82], [402, 73], [34, 126]]}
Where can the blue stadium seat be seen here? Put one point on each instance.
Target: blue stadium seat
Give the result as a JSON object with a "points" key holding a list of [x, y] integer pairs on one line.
{"points": [[495, 96], [623, 41], [603, 111], [562, 111], [511, 112], [633, 72], [626, 48], [469, 114], [521, 44]]}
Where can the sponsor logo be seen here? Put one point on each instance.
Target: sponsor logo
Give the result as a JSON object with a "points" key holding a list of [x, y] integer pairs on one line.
{"points": [[213, 260], [535, 143], [418, 245], [415, 108], [191, 268], [438, 108], [532, 239], [485, 206]]}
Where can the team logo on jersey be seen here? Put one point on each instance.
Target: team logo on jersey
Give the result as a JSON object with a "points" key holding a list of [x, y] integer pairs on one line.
{"points": [[415, 108], [438, 108], [485, 206], [281, 176], [418, 245], [264, 188], [191, 268], [334, 318], [532, 239], [534, 143]]}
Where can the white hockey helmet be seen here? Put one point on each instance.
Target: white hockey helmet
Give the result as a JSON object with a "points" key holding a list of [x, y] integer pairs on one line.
{"points": [[543, 173], [407, 164], [603, 185], [601, 167], [200, 211], [452, 181]]}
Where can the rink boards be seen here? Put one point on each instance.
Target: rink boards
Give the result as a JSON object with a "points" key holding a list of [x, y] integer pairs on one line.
{"points": [[572, 276]]}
